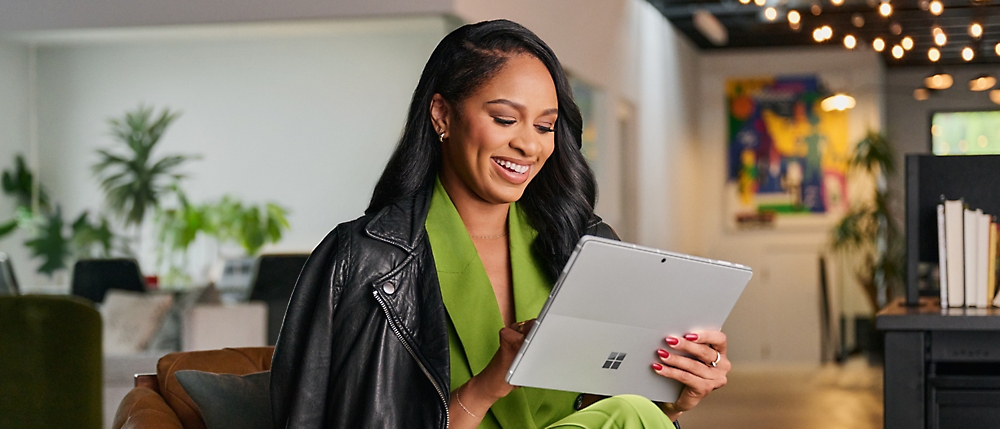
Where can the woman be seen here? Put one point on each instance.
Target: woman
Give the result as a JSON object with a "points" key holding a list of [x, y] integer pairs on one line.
{"points": [[394, 319]]}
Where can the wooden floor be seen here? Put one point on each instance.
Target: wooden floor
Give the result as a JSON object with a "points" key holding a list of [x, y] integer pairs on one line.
{"points": [[845, 396]]}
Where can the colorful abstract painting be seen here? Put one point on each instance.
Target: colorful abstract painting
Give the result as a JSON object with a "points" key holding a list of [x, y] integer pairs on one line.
{"points": [[786, 155]]}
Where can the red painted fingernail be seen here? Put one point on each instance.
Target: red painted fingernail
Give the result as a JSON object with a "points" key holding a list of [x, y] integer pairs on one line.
{"points": [[672, 341], [691, 337], [663, 353], [657, 366]]}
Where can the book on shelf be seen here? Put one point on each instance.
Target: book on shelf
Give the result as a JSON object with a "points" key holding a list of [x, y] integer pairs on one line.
{"points": [[942, 259], [955, 252], [967, 255]]}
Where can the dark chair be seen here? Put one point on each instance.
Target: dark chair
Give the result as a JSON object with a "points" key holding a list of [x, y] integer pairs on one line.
{"points": [[8, 282], [93, 277], [273, 281], [50, 363]]}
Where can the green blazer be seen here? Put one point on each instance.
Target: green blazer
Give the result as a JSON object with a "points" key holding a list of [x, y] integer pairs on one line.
{"points": [[474, 315]]}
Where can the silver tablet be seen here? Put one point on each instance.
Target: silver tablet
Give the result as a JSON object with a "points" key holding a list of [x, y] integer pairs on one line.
{"points": [[612, 308]]}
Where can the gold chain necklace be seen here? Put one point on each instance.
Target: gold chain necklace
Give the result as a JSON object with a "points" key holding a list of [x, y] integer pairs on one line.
{"points": [[488, 237]]}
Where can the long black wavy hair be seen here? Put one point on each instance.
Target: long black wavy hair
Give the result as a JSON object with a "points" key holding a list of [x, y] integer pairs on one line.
{"points": [[559, 201]]}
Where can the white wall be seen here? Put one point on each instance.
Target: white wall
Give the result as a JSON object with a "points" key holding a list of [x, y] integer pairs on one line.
{"points": [[777, 319], [303, 116], [36, 15], [13, 137]]}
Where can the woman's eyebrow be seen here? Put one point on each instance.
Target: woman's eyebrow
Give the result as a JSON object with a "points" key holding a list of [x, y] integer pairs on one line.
{"points": [[520, 106]]}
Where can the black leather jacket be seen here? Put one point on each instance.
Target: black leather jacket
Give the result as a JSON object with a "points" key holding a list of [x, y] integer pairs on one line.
{"points": [[365, 340]]}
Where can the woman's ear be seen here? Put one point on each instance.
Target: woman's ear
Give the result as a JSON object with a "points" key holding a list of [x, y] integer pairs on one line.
{"points": [[440, 113]]}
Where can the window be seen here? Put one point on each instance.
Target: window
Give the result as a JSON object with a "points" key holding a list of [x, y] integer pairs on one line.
{"points": [[965, 133]]}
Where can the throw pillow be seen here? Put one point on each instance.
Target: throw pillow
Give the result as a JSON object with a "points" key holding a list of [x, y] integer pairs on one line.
{"points": [[230, 401], [131, 319]]}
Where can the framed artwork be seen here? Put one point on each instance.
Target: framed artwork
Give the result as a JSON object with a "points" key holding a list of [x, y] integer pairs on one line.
{"points": [[586, 97], [786, 156]]}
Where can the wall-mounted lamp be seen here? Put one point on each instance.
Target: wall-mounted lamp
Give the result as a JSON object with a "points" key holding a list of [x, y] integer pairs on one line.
{"points": [[837, 102]]}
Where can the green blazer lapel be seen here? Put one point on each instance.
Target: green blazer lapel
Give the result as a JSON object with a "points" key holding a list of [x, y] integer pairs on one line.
{"points": [[531, 285], [468, 295], [465, 287], [531, 289]]}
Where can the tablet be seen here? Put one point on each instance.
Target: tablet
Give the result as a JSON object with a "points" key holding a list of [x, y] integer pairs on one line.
{"points": [[611, 309]]}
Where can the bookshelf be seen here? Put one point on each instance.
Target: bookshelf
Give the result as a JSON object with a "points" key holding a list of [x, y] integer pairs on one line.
{"points": [[942, 366], [976, 179]]}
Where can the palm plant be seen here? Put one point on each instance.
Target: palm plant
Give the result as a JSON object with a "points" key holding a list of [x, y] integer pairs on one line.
{"points": [[133, 181], [869, 228]]}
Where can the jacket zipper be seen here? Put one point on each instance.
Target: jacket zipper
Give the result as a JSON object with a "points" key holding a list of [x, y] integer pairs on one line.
{"points": [[395, 330]]}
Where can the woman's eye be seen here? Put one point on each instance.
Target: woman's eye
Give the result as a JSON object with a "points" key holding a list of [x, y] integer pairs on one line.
{"points": [[503, 121], [545, 128]]}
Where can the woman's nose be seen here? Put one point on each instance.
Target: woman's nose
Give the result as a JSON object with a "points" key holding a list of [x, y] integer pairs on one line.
{"points": [[528, 142]]}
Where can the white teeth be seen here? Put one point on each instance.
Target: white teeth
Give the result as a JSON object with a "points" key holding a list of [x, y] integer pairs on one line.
{"points": [[520, 169]]}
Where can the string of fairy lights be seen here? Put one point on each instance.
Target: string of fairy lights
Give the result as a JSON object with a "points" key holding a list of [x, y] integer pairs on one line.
{"points": [[938, 80]]}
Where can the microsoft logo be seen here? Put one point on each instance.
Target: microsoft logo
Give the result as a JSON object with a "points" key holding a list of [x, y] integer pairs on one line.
{"points": [[614, 360]]}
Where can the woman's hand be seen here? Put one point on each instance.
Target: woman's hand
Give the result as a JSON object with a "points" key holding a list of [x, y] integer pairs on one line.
{"points": [[701, 373], [470, 402]]}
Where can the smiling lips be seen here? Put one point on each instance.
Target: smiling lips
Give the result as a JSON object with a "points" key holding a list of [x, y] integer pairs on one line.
{"points": [[512, 171], [517, 168]]}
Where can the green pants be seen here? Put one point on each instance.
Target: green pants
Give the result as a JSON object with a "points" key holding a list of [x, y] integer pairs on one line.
{"points": [[618, 412]]}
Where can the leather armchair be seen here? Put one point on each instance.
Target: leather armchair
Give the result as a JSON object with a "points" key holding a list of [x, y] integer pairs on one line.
{"points": [[159, 402]]}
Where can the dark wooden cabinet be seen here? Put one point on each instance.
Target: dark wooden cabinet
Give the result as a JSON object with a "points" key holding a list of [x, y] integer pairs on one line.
{"points": [[942, 366]]}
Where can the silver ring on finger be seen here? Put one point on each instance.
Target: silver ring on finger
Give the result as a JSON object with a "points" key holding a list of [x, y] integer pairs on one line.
{"points": [[718, 358]]}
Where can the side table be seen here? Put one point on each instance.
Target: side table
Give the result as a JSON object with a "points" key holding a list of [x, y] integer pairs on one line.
{"points": [[942, 366]]}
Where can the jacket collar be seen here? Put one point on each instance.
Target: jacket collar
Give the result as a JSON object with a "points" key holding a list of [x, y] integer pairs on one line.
{"points": [[402, 222]]}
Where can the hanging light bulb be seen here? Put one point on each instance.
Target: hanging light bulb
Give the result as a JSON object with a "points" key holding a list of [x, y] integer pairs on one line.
{"points": [[771, 13], [936, 7], [885, 9], [816, 9], [850, 42], [895, 28], [745, 1], [968, 54], [878, 44], [976, 30], [827, 32], [982, 83], [794, 17], [907, 43], [839, 102], [939, 81], [995, 96], [940, 39], [933, 54], [836, 2], [936, 29], [997, 49], [858, 20], [759, 2], [897, 52], [921, 94], [818, 35]]}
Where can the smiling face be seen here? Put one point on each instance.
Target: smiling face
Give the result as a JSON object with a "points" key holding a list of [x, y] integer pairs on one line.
{"points": [[498, 138]]}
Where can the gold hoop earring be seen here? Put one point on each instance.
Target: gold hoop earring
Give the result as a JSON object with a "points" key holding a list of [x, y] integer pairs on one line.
{"points": [[441, 137]]}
